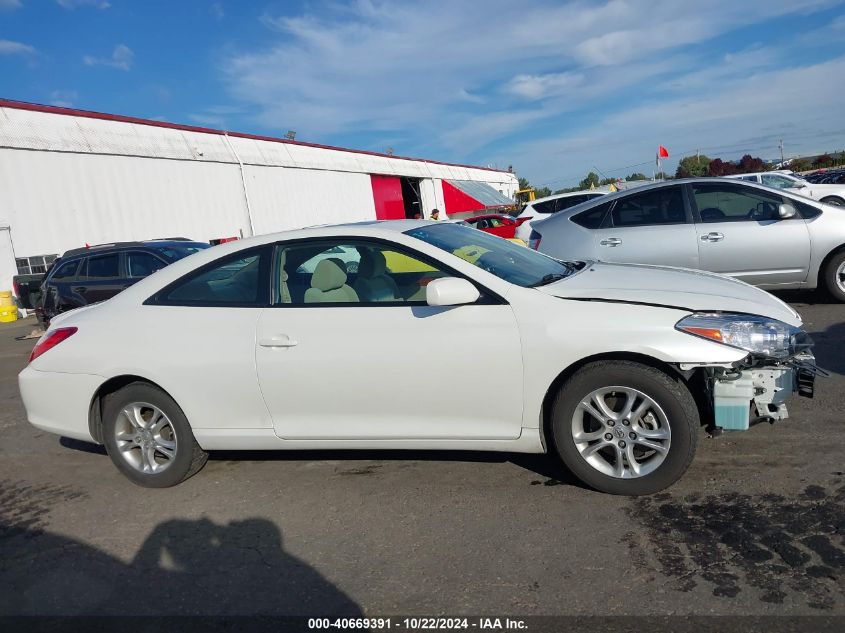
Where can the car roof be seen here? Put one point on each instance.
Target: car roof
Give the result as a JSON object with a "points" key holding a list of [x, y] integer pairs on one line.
{"points": [[121, 246]]}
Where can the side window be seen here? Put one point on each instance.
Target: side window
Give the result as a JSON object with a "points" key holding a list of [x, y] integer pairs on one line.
{"points": [[569, 201], [239, 280], [496, 223], [592, 218], [734, 203], [545, 207], [807, 211], [103, 266], [143, 264], [352, 272], [658, 206], [66, 270], [750, 178]]}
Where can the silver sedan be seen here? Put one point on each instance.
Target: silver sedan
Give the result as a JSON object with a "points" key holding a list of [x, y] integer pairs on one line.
{"points": [[766, 237]]}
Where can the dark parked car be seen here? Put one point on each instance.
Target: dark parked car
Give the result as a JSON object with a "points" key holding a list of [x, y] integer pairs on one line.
{"points": [[96, 273]]}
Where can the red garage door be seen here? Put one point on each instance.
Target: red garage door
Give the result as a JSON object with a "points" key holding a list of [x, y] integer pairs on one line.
{"points": [[387, 195]]}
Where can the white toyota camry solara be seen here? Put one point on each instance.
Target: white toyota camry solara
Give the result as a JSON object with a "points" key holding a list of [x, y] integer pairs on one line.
{"points": [[416, 335]]}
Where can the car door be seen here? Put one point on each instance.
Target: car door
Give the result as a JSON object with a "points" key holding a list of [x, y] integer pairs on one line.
{"points": [[649, 227], [99, 278], [500, 227], [206, 321], [140, 264], [362, 356], [741, 234]]}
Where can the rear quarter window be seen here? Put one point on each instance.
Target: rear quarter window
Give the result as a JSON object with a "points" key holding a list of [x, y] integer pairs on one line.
{"points": [[592, 218]]}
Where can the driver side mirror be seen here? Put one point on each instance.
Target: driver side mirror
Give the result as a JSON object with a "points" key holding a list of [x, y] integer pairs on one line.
{"points": [[450, 291], [786, 211]]}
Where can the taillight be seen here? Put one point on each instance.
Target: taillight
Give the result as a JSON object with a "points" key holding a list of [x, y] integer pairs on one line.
{"points": [[50, 340], [534, 240], [15, 288]]}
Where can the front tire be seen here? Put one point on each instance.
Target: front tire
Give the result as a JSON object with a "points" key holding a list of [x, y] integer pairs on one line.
{"points": [[834, 200], [148, 437], [834, 276], [625, 428]]}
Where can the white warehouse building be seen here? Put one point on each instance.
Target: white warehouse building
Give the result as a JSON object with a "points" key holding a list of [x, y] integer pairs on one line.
{"points": [[70, 178]]}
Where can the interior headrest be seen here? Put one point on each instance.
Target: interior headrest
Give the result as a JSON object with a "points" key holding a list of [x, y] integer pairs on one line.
{"points": [[372, 264], [328, 276], [282, 260]]}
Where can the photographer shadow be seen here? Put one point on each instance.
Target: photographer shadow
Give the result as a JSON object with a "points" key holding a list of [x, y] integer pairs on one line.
{"points": [[184, 567]]}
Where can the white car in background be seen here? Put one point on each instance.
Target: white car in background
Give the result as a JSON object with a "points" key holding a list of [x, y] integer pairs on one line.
{"points": [[614, 368], [544, 207], [827, 193]]}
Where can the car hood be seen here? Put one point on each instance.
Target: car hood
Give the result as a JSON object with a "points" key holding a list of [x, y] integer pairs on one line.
{"points": [[693, 290]]}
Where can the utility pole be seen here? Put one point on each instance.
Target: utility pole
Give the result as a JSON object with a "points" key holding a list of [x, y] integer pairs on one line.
{"points": [[781, 153]]}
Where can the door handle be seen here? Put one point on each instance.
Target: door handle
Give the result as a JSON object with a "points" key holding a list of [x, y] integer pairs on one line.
{"points": [[712, 237], [79, 289], [281, 340], [611, 241]]}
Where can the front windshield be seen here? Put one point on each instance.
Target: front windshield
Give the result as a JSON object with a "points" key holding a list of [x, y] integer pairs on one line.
{"points": [[516, 264]]}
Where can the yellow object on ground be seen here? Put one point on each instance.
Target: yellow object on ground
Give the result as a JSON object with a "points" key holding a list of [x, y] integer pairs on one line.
{"points": [[6, 298], [8, 314]]}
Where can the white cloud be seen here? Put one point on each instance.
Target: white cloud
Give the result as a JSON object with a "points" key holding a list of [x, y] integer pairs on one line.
{"points": [[74, 4], [539, 86], [8, 5], [63, 98], [121, 58], [217, 11], [728, 117], [8, 47], [462, 79]]}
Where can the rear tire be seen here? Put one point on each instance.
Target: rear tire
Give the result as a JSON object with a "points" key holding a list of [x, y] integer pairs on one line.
{"points": [[649, 449], [834, 200], [148, 437], [834, 276]]}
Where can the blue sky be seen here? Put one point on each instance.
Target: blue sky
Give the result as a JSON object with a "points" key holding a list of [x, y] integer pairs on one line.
{"points": [[553, 88]]}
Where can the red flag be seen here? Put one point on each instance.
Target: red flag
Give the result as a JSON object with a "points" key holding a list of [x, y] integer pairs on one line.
{"points": [[662, 152]]}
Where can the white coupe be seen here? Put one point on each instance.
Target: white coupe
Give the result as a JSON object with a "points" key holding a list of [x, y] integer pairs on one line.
{"points": [[443, 337]]}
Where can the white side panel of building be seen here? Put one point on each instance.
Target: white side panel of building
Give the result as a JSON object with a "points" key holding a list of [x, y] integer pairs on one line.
{"points": [[283, 198], [57, 201]]}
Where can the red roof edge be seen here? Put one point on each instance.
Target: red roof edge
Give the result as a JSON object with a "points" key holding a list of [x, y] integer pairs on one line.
{"points": [[103, 116]]}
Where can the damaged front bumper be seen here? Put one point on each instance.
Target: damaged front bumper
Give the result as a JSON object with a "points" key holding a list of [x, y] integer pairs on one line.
{"points": [[756, 390]]}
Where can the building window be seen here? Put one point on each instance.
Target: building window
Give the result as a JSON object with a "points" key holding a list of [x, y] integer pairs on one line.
{"points": [[36, 265]]}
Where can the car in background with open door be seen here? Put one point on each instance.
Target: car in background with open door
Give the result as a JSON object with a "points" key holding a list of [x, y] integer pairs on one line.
{"points": [[497, 224]]}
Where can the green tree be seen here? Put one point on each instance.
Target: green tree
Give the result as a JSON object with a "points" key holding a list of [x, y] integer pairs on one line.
{"points": [[693, 166], [542, 192], [592, 179], [636, 176], [523, 183]]}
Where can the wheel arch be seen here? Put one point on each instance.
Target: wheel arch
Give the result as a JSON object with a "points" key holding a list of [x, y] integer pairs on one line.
{"points": [[110, 386], [820, 282], [833, 197], [688, 378]]}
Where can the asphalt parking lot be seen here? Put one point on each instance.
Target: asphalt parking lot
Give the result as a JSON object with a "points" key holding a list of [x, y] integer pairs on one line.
{"points": [[757, 525]]}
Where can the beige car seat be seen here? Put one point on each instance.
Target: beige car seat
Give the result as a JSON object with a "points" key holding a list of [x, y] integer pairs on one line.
{"points": [[328, 285], [373, 283]]}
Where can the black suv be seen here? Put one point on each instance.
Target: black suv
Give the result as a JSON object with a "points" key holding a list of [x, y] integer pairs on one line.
{"points": [[96, 273]]}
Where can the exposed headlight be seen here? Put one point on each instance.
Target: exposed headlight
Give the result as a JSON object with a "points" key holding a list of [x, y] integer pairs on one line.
{"points": [[756, 334]]}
